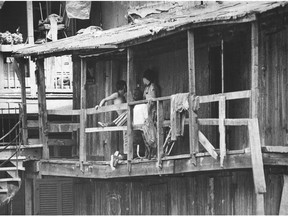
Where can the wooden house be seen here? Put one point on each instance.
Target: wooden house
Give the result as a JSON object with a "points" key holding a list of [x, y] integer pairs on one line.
{"points": [[231, 57]]}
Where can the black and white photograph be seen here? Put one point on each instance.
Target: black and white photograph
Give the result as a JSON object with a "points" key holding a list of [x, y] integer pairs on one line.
{"points": [[143, 107]]}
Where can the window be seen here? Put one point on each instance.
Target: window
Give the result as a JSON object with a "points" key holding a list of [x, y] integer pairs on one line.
{"points": [[58, 72]]}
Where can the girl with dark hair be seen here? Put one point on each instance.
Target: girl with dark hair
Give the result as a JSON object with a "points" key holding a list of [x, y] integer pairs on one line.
{"points": [[151, 89]]}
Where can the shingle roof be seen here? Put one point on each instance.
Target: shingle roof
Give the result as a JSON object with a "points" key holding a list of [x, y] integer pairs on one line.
{"points": [[153, 26]]}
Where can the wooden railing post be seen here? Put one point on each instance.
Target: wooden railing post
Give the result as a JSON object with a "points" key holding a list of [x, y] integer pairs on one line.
{"points": [[222, 116], [193, 125], [257, 165], [43, 130], [20, 72], [254, 70], [160, 138], [130, 71], [82, 146]]}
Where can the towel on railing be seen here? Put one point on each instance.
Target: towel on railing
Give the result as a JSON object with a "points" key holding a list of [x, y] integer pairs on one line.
{"points": [[180, 104], [140, 113]]}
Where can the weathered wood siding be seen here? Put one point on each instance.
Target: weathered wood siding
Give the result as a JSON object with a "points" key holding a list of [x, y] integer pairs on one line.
{"points": [[273, 86], [223, 193]]}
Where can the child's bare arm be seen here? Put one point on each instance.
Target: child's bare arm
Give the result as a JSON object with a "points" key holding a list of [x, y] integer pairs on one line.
{"points": [[103, 101]]}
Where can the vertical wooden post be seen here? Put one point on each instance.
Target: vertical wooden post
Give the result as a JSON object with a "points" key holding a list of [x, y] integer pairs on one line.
{"points": [[193, 126], [130, 71], [284, 198], [20, 72], [30, 26], [257, 165], [254, 70], [24, 105], [222, 116], [2, 78], [160, 139], [222, 66], [42, 109], [30, 31], [109, 149], [28, 196], [82, 150], [254, 133]]}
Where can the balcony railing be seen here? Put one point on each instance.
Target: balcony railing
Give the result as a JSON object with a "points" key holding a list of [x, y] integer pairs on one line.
{"points": [[222, 121]]}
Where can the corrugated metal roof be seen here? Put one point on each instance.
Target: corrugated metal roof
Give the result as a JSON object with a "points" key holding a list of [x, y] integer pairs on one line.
{"points": [[153, 26]]}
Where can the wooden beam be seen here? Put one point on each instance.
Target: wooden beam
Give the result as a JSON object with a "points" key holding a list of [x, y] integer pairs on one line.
{"points": [[222, 131], [144, 168], [105, 129], [30, 25], [160, 138], [222, 66], [110, 148], [64, 112], [254, 70], [256, 155], [284, 198], [43, 135], [21, 76], [130, 71], [193, 125], [62, 127], [227, 122], [260, 210], [229, 96], [207, 145], [151, 99], [275, 149], [53, 142], [83, 116], [28, 196], [2, 78]]}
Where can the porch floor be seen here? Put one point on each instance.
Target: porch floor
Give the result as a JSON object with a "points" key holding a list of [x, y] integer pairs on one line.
{"points": [[239, 159]]}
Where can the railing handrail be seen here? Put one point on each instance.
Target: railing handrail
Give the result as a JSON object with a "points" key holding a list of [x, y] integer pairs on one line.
{"points": [[228, 96], [109, 108]]}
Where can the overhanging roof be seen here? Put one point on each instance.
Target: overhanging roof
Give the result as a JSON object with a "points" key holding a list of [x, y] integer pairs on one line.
{"points": [[153, 27]]}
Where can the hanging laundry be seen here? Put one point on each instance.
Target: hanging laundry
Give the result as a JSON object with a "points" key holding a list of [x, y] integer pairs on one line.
{"points": [[78, 9], [180, 104]]}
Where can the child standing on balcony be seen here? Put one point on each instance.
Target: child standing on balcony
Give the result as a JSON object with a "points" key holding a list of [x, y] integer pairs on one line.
{"points": [[117, 97]]}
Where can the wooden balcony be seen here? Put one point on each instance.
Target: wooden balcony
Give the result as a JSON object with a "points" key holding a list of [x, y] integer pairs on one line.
{"points": [[163, 164]]}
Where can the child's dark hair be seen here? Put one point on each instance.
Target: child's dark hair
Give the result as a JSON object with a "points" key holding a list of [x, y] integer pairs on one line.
{"points": [[121, 85], [150, 75]]}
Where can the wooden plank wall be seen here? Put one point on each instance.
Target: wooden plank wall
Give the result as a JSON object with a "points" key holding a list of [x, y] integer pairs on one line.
{"points": [[273, 86], [106, 73], [223, 193]]}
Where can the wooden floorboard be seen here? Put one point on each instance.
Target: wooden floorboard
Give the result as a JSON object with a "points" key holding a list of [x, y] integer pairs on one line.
{"points": [[102, 169], [141, 168]]}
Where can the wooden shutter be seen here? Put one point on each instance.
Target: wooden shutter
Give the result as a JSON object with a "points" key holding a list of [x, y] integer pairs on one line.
{"points": [[54, 197]]}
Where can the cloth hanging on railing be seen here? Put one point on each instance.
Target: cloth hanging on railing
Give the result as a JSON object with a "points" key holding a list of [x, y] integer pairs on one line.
{"points": [[180, 104]]}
